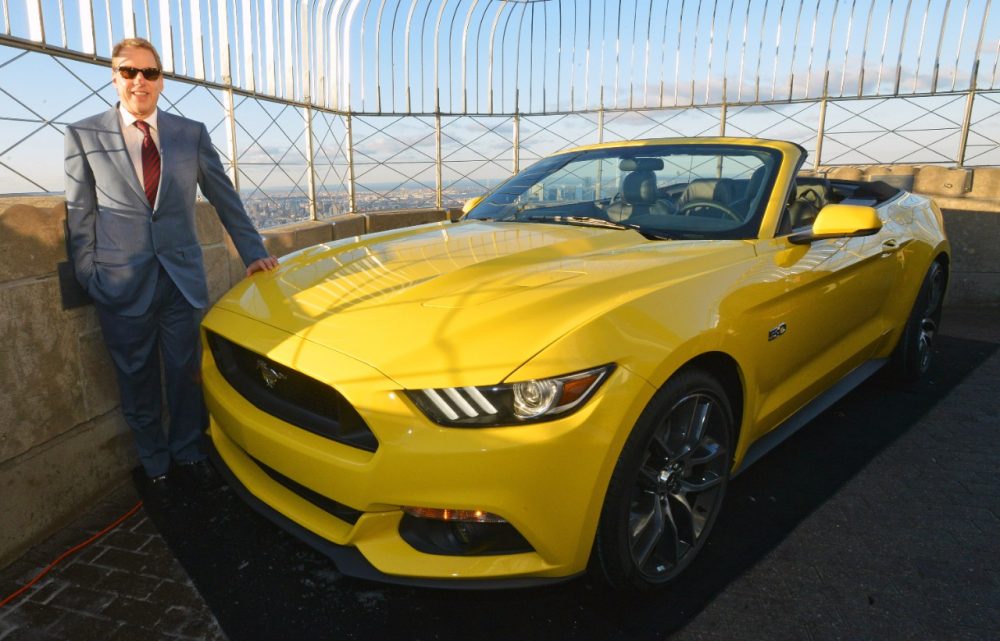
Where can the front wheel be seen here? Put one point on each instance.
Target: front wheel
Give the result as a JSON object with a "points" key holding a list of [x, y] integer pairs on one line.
{"points": [[912, 357], [667, 487]]}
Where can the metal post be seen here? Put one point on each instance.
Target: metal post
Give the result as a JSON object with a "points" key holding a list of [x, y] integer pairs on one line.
{"points": [[351, 190], [310, 159], [722, 114], [516, 135], [234, 173], [821, 124], [600, 118], [437, 146], [963, 140]]}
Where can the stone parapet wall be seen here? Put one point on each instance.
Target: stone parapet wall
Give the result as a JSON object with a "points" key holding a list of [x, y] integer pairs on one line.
{"points": [[970, 199], [63, 442]]}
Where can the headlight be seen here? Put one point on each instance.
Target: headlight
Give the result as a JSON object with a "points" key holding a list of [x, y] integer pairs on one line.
{"points": [[509, 403]]}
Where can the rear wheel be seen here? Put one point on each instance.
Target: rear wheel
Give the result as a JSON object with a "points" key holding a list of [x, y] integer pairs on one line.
{"points": [[668, 484], [912, 356]]}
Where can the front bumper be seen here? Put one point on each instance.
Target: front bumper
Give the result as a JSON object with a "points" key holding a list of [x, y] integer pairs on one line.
{"points": [[547, 479]]}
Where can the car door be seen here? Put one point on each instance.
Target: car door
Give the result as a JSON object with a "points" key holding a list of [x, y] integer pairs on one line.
{"points": [[818, 317]]}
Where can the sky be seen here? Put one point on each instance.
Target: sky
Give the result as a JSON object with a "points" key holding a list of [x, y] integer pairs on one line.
{"points": [[480, 60]]}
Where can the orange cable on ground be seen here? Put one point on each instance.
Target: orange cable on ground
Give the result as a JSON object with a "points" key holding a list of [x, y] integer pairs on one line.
{"points": [[70, 551]]}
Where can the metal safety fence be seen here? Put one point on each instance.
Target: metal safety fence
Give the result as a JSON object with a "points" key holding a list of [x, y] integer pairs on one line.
{"points": [[325, 107]]}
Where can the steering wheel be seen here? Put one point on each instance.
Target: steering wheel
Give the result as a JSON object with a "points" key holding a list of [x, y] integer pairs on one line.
{"points": [[812, 196], [695, 208]]}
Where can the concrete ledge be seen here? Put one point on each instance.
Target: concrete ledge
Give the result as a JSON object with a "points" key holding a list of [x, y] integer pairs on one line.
{"points": [[386, 220]]}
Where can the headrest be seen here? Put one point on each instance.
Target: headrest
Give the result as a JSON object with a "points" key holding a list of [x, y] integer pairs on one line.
{"points": [[639, 188], [641, 164]]}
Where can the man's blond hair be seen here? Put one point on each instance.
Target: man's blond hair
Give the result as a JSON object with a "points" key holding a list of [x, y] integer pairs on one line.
{"points": [[136, 43]]}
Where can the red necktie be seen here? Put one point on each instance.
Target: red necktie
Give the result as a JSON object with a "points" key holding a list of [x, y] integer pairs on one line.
{"points": [[150, 163]]}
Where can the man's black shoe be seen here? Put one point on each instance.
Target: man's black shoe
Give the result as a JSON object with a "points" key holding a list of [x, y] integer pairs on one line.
{"points": [[200, 474], [158, 486]]}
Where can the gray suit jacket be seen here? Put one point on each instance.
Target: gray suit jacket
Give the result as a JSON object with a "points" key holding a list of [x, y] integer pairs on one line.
{"points": [[117, 241]]}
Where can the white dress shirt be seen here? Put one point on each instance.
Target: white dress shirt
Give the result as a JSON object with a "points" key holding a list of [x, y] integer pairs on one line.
{"points": [[133, 138]]}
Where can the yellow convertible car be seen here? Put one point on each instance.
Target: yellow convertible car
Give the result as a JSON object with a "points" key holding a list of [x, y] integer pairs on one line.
{"points": [[568, 377]]}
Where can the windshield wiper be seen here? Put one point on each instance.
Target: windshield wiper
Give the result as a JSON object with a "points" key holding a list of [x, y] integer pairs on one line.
{"points": [[582, 221], [590, 221]]}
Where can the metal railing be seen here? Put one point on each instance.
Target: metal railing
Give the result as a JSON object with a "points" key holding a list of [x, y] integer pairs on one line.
{"points": [[322, 107]]}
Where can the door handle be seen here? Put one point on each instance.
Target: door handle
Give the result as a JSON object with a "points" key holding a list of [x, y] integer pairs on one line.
{"points": [[889, 244]]}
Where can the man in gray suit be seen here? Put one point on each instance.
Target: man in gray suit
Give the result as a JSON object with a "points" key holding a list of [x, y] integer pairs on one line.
{"points": [[131, 179]]}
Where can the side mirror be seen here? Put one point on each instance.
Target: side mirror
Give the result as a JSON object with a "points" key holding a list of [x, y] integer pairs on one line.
{"points": [[470, 203], [840, 221]]}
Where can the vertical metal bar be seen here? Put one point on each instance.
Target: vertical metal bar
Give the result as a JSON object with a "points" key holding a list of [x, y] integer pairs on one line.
{"points": [[352, 202], [230, 109], [465, 42], [378, 57], [128, 18], [864, 49], [760, 53], [489, 63], [937, 56], [963, 139], [196, 40], [439, 159], [795, 49], [958, 46], [694, 49], [516, 135], [422, 84], [249, 77], [87, 37], [725, 54], [618, 46], [62, 25], [180, 25], [406, 55], [311, 155], [271, 64], [920, 46], [847, 46], [902, 45], [586, 62], [812, 45], [677, 55], [663, 53], [631, 62], [36, 24], [743, 53], [392, 58], [724, 111], [885, 41], [600, 119], [437, 49], [777, 49], [829, 49], [821, 125], [711, 48], [6, 16], [166, 38], [287, 47]]}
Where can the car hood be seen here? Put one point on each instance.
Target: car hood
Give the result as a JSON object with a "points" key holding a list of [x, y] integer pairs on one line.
{"points": [[465, 303]]}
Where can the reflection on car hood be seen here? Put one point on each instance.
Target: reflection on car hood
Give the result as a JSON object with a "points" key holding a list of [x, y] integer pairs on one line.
{"points": [[454, 303]]}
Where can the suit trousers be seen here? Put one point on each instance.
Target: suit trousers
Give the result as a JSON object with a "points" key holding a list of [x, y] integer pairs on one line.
{"points": [[167, 333]]}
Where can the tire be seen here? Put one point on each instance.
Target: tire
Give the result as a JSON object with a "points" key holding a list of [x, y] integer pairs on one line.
{"points": [[912, 357], [668, 485]]}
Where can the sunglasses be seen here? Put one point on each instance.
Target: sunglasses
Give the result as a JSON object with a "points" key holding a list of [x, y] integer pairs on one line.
{"points": [[129, 73]]}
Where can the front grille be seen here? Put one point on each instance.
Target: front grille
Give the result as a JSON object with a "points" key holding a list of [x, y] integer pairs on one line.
{"points": [[290, 395]]}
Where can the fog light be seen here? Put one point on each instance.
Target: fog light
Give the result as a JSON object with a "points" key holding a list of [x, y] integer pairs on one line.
{"points": [[459, 532], [466, 516]]}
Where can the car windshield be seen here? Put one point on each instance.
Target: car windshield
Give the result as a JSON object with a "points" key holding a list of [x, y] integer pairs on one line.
{"points": [[664, 191]]}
